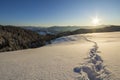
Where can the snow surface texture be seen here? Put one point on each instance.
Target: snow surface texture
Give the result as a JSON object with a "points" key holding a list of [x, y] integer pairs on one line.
{"points": [[57, 61], [52, 62], [93, 68]]}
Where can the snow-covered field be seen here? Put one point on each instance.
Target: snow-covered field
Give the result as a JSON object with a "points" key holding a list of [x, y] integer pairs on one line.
{"points": [[68, 58]]}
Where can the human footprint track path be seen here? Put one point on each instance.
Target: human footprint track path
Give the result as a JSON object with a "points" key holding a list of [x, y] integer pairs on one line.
{"points": [[93, 68]]}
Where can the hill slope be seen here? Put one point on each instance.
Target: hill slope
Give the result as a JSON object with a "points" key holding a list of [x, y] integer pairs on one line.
{"points": [[15, 38]]}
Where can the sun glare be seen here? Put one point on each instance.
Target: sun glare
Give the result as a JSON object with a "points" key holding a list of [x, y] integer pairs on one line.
{"points": [[96, 21]]}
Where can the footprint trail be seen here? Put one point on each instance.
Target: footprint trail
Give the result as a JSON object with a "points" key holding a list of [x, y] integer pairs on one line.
{"points": [[93, 68]]}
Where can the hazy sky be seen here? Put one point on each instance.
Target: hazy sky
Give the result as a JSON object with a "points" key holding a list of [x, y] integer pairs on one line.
{"points": [[58, 12]]}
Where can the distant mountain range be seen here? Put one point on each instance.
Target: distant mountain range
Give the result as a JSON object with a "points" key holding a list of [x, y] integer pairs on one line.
{"points": [[53, 29], [110, 28], [74, 29]]}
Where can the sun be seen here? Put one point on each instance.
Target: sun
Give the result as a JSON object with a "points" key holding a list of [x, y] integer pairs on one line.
{"points": [[96, 21]]}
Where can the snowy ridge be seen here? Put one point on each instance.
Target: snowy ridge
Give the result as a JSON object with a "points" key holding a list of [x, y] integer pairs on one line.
{"points": [[93, 68], [71, 38], [64, 39]]}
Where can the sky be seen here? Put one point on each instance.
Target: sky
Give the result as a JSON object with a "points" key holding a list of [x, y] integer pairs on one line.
{"points": [[59, 12]]}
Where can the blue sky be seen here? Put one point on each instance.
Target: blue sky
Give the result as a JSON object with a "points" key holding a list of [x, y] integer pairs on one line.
{"points": [[58, 12]]}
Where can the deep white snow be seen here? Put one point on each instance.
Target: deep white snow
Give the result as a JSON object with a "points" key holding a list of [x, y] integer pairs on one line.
{"points": [[68, 58]]}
